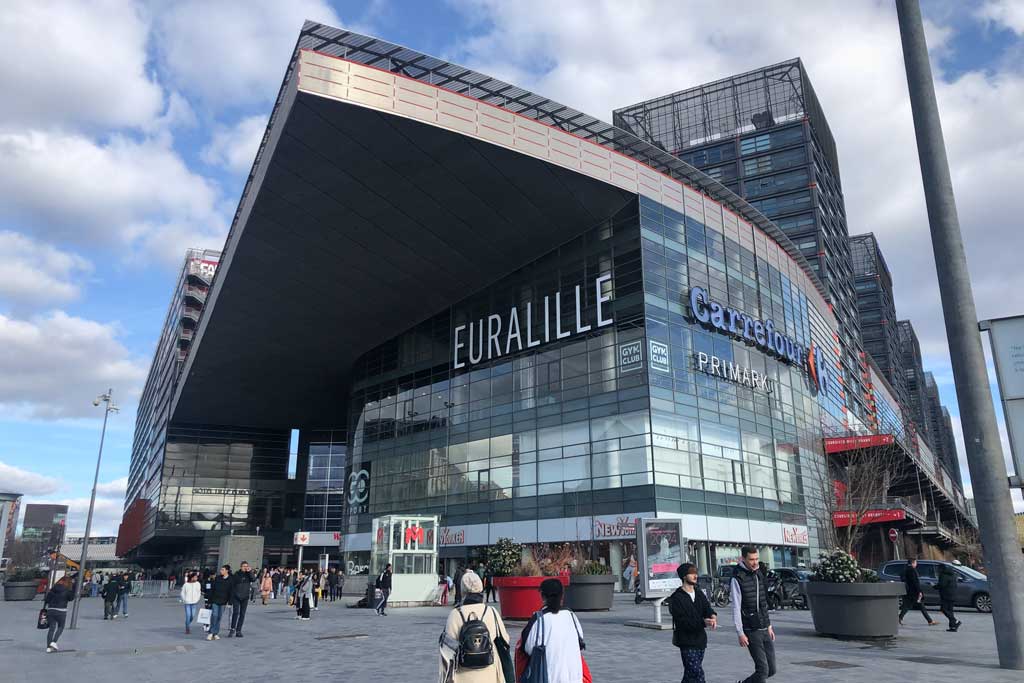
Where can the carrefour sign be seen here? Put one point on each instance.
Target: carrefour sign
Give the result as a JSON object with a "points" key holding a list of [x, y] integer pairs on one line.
{"points": [[761, 334], [499, 334]]}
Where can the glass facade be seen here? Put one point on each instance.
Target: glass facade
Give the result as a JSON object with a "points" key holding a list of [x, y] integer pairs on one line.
{"points": [[583, 426]]}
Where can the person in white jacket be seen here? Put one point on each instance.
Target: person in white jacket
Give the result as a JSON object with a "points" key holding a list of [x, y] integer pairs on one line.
{"points": [[191, 594], [559, 631]]}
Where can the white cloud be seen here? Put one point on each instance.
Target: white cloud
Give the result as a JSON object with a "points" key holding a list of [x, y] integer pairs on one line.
{"points": [[1008, 13], [232, 52], [33, 273], [597, 56], [17, 480], [235, 147], [122, 192], [76, 64], [112, 489], [53, 366]]}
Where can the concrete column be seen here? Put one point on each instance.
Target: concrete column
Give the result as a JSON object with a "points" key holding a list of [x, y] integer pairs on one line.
{"points": [[977, 414]]}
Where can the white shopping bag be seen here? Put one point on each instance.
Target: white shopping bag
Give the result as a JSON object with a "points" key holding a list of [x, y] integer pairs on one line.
{"points": [[204, 617]]}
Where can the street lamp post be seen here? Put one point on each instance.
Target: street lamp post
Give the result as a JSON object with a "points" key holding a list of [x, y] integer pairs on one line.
{"points": [[977, 414], [108, 400]]}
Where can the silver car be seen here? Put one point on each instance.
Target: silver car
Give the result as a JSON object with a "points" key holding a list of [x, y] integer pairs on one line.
{"points": [[971, 586]]}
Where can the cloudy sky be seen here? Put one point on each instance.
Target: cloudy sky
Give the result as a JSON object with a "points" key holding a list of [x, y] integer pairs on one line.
{"points": [[127, 130]]}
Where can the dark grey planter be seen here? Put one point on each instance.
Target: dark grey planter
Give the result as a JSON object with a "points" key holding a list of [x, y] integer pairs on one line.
{"points": [[855, 610], [20, 590], [590, 593]]}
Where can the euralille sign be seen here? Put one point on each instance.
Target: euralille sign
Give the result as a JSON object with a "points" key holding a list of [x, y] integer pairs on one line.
{"points": [[499, 335], [762, 334]]}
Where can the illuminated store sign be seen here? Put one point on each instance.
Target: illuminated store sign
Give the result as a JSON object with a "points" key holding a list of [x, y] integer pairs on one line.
{"points": [[759, 333], [497, 335]]}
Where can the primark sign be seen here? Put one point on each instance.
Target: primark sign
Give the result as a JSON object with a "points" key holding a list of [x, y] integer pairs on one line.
{"points": [[501, 334]]}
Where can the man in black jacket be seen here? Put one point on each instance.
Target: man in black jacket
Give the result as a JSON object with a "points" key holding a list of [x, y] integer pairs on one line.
{"points": [[218, 595], [241, 587], [384, 584], [691, 614], [947, 595], [914, 599], [749, 593], [110, 590]]}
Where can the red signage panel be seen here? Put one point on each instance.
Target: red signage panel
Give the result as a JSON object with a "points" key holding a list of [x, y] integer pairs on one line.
{"points": [[846, 517], [847, 443]]}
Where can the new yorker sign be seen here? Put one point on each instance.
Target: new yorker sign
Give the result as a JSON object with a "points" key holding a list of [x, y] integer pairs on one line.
{"points": [[760, 334], [498, 334]]}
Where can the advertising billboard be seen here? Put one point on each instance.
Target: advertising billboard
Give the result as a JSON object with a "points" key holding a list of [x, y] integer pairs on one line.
{"points": [[1007, 338], [662, 549]]}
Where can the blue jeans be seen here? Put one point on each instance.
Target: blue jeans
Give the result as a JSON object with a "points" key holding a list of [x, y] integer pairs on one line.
{"points": [[122, 604], [215, 613], [190, 614], [94, 590]]}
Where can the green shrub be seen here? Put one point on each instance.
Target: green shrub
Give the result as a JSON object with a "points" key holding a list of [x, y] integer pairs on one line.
{"points": [[840, 567], [505, 557], [592, 568]]}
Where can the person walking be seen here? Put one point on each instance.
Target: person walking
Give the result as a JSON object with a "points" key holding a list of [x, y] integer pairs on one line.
{"points": [[241, 589], [559, 632], [459, 664], [442, 589], [56, 605], [383, 582], [319, 582], [266, 586], [303, 595], [110, 591], [691, 615], [124, 588], [914, 598], [459, 573], [94, 585], [488, 577], [218, 596], [629, 574], [947, 596], [749, 594], [191, 594]]}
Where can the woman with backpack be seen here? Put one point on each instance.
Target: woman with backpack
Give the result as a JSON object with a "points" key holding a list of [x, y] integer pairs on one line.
{"points": [[474, 642], [555, 634]]}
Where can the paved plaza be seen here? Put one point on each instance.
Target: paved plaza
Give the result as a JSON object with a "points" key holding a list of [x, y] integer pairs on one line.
{"points": [[355, 645]]}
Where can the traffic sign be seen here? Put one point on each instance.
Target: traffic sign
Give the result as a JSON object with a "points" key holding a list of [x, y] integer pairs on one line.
{"points": [[893, 535], [301, 538]]}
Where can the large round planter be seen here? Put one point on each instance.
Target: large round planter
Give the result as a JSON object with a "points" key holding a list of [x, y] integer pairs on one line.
{"points": [[590, 593], [855, 610], [20, 590], [519, 596]]}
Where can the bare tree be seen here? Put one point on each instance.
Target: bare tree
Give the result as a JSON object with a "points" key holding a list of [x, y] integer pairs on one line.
{"points": [[847, 486]]}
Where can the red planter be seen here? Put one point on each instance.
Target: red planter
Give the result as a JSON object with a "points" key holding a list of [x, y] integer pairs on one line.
{"points": [[520, 595]]}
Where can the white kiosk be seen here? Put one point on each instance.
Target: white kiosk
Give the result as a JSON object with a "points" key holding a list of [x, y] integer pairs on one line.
{"points": [[409, 544]]}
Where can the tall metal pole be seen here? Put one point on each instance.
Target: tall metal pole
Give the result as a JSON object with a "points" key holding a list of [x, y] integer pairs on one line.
{"points": [[106, 398], [981, 438]]}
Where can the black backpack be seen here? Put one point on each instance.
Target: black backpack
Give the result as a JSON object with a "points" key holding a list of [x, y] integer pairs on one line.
{"points": [[476, 650]]}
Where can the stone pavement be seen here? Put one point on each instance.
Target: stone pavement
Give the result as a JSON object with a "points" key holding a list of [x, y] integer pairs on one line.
{"points": [[355, 645]]}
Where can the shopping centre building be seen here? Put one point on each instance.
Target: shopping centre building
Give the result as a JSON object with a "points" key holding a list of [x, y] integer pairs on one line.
{"points": [[473, 302]]}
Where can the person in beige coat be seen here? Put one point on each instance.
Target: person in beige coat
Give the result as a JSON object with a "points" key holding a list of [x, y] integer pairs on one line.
{"points": [[472, 606]]}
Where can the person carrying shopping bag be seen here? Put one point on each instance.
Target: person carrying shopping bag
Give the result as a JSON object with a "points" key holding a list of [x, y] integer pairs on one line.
{"points": [[191, 594], [552, 641]]}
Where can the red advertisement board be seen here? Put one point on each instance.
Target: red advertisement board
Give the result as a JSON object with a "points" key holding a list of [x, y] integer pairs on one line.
{"points": [[845, 518], [846, 443]]}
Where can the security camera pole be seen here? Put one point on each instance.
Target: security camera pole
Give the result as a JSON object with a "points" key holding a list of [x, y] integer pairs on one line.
{"points": [[981, 438], [108, 408]]}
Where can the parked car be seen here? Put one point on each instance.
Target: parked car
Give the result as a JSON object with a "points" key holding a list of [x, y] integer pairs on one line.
{"points": [[971, 586]]}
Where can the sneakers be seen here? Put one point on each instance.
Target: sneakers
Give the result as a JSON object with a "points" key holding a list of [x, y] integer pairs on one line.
{"points": [[933, 623], [114, 617], [305, 618], [216, 637], [231, 633], [54, 646], [316, 609], [187, 630], [238, 635], [49, 649], [209, 637]]}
